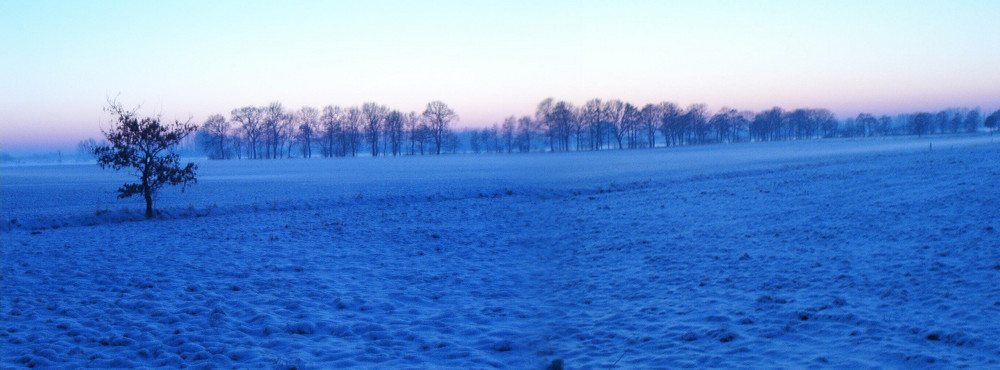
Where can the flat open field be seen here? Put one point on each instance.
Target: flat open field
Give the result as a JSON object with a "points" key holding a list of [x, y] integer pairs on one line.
{"points": [[845, 253]]}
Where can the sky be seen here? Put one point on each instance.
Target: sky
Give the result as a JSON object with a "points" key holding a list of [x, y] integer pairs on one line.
{"points": [[61, 60]]}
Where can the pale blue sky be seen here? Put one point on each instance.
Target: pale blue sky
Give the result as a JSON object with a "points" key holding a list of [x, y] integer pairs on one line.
{"points": [[487, 59]]}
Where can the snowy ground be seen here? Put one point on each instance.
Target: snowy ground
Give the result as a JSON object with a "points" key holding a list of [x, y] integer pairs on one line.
{"points": [[830, 253]]}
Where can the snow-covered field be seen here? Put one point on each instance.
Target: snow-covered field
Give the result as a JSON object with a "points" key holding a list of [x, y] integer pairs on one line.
{"points": [[844, 253]]}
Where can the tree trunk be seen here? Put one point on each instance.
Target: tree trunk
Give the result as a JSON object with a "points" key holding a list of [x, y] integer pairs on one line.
{"points": [[149, 203]]}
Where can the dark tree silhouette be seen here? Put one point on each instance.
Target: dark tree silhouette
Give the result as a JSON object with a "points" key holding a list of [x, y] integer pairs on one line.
{"points": [[277, 128], [250, 120], [650, 121], [972, 120], [439, 116], [307, 119], [268, 131], [352, 128], [560, 120], [920, 123], [395, 132], [590, 117], [992, 121], [956, 122], [884, 124], [941, 121], [145, 146], [507, 132], [373, 117], [216, 136], [669, 117], [332, 131], [413, 129], [695, 118], [525, 128]]}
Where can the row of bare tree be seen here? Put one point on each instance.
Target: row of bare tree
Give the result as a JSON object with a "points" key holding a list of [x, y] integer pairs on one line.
{"points": [[614, 124], [271, 131]]}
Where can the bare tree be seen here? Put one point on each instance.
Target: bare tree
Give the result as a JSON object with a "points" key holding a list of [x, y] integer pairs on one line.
{"points": [[920, 122], [591, 115], [695, 119], [395, 131], [525, 128], [332, 129], [85, 149], [451, 143], [972, 120], [650, 121], [992, 121], [145, 146], [580, 128], [507, 131], [766, 125], [216, 137], [492, 138], [615, 115], [827, 123], [474, 141], [250, 119], [543, 113], [413, 131], [956, 121], [352, 127], [275, 119], [631, 119], [286, 134], [372, 116], [439, 116], [560, 121], [423, 135], [868, 121], [670, 122], [307, 119], [941, 122], [884, 124], [721, 123]]}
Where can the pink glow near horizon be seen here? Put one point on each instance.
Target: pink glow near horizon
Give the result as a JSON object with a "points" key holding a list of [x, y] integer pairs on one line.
{"points": [[60, 60]]}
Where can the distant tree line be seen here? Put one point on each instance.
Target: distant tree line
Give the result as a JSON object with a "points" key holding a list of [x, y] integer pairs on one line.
{"points": [[613, 124], [272, 131]]}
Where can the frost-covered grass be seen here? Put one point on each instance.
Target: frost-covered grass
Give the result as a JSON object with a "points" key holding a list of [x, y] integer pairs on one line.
{"points": [[82, 194], [843, 253]]}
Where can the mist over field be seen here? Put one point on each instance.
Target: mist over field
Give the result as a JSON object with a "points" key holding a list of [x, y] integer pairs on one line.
{"points": [[521, 185]]}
